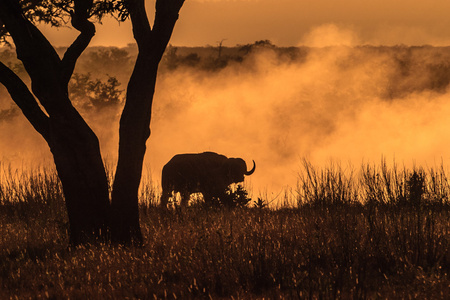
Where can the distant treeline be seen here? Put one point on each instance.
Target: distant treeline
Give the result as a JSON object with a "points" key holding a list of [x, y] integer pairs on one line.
{"points": [[102, 72]]}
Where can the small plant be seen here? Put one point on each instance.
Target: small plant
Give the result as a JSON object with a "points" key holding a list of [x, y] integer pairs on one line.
{"points": [[237, 198], [416, 188], [260, 203]]}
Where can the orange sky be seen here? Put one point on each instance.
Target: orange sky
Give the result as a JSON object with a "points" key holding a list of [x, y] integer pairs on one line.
{"points": [[288, 22]]}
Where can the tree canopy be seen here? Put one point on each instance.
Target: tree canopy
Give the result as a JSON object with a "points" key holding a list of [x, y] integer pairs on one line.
{"points": [[58, 13]]}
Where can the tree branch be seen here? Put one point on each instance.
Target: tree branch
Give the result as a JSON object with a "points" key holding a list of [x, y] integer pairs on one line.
{"points": [[22, 96], [165, 18], [39, 58], [87, 30], [30, 42], [155, 39], [9, 13], [141, 27]]}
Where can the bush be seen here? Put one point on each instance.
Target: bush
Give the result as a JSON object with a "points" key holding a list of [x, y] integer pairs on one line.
{"points": [[232, 198]]}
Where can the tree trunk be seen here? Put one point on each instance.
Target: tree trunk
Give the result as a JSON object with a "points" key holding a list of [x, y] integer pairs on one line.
{"points": [[74, 146], [77, 158], [134, 132], [78, 161], [135, 120]]}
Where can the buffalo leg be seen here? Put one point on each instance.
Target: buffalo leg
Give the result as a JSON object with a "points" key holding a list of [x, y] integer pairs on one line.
{"points": [[185, 196], [207, 198], [164, 198]]}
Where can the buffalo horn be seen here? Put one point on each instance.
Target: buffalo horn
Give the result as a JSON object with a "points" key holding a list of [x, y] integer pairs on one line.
{"points": [[252, 170]]}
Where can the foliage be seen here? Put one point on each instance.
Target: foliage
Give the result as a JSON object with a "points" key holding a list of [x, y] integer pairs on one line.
{"points": [[261, 44], [260, 203], [234, 198], [215, 61], [414, 69], [344, 251], [58, 13], [94, 94], [108, 60]]}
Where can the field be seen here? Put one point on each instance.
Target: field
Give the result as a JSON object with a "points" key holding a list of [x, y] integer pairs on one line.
{"points": [[379, 232]]}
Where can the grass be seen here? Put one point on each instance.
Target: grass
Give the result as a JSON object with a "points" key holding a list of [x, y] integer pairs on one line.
{"points": [[378, 233]]}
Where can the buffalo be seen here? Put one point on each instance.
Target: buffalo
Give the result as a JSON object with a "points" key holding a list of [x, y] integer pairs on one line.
{"points": [[208, 173]]}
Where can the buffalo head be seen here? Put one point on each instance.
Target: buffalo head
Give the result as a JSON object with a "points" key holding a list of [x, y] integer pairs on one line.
{"points": [[237, 168]]}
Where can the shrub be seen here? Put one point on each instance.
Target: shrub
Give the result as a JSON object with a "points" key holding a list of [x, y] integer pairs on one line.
{"points": [[232, 198]]}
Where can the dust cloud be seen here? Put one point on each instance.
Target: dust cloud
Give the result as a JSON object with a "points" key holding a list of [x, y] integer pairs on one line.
{"points": [[332, 102], [339, 104]]}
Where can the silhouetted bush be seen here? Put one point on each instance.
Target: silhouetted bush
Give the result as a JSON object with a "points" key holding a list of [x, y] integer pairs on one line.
{"points": [[235, 198], [231, 198], [260, 203], [95, 94]]}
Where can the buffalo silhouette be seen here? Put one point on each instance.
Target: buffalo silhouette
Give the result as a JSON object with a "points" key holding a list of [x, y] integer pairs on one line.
{"points": [[208, 173]]}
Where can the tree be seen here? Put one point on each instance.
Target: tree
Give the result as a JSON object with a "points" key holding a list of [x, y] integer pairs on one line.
{"points": [[94, 94], [93, 215]]}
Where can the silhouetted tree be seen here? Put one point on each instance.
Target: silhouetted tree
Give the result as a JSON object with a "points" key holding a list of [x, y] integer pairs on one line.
{"points": [[75, 147], [94, 94], [256, 45]]}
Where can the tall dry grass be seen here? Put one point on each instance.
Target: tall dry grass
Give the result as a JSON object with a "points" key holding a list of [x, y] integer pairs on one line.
{"points": [[382, 232]]}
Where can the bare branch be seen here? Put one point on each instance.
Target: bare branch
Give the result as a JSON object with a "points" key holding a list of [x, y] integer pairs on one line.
{"points": [[22, 96]]}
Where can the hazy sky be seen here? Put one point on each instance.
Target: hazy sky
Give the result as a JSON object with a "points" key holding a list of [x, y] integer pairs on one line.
{"points": [[292, 22]]}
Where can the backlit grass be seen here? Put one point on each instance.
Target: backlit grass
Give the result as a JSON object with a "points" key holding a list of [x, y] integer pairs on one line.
{"points": [[375, 232]]}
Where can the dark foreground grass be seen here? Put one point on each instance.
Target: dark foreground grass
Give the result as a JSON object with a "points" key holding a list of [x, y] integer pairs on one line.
{"points": [[319, 249]]}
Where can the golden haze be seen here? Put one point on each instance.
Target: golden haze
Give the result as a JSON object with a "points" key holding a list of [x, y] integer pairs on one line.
{"points": [[337, 103], [285, 22], [277, 112]]}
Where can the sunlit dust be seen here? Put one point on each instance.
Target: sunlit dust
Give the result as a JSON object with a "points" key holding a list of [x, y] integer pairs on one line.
{"points": [[274, 105]]}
